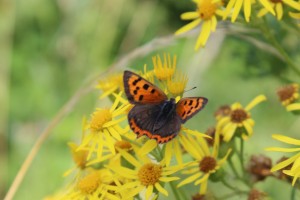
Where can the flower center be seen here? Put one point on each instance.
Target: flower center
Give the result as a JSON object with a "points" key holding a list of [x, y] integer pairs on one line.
{"points": [[123, 145], [207, 9], [89, 183], [207, 164], [99, 118], [149, 174], [238, 115], [287, 92]]}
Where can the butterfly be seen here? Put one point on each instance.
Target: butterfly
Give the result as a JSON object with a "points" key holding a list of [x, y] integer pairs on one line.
{"points": [[153, 114]]}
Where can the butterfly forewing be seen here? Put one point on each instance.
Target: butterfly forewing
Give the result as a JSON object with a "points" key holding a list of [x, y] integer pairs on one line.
{"points": [[140, 91], [188, 107]]}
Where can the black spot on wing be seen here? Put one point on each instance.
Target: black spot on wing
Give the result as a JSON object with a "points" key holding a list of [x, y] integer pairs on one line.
{"points": [[146, 86], [152, 91], [136, 81], [141, 97]]}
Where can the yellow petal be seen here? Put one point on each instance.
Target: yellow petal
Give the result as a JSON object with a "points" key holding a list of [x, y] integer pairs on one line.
{"points": [[236, 10], [188, 27], [268, 6], [247, 9], [278, 149], [255, 101], [130, 158], [286, 139], [191, 149], [168, 152], [203, 187], [262, 12], [229, 131], [178, 154], [203, 179], [161, 189], [115, 134], [134, 191], [213, 23], [168, 179], [189, 15], [296, 16], [279, 11], [149, 191], [189, 179], [293, 106], [204, 34], [148, 147], [292, 4], [228, 8], [285, 163], [109, 141]]}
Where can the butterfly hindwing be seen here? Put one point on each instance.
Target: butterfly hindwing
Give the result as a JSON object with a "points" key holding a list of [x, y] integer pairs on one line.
{"points": [[143, 120], [188, 107], [140, 91]]}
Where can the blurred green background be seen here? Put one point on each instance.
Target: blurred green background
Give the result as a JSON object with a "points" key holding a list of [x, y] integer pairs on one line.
{"points": [[50, 48]]}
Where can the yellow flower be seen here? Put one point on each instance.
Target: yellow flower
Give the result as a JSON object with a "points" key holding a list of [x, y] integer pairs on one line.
{"points": [[176, 85], [112, 83], [206, 13], [295, 159], [173, 147], [145, 175], [236, 5], [79, 157], [288, 94], [239, 120], [104, 127], [165, 69], [278, 6], [205, 162], [97, 184]]}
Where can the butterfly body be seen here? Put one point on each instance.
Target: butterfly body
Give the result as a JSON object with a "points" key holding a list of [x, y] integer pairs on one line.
{"points": [[153, 114]]}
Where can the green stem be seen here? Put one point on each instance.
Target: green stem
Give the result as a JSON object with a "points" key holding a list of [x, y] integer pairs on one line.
{"points": [[269, 36], [228, 185], [293, 193], [175, 191], [241, 155], [233, 168]]}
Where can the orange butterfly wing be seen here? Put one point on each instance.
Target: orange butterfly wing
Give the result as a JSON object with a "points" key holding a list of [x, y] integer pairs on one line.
{"points": [[140, 91], [188, 107]]}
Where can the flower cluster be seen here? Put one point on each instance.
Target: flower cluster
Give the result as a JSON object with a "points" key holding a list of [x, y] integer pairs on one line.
{"points": [[208, 12]]}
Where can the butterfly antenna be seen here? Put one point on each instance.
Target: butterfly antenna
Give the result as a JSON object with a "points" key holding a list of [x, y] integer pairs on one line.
{"points": [[189, 89]]}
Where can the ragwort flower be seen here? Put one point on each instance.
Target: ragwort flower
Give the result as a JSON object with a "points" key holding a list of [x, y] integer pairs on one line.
{"points": [[288, 94], [146, 175], [111, 84], [79, 158], [236, 6], [294, 160], [239, 121], [176, 85], [206, 13], [165, 69], [295, 16], [104, 127], [205, 164], [97, 184], [278, 6]]}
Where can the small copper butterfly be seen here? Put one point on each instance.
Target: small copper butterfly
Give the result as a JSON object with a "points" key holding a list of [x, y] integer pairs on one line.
{"points": [[153, 114]]}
